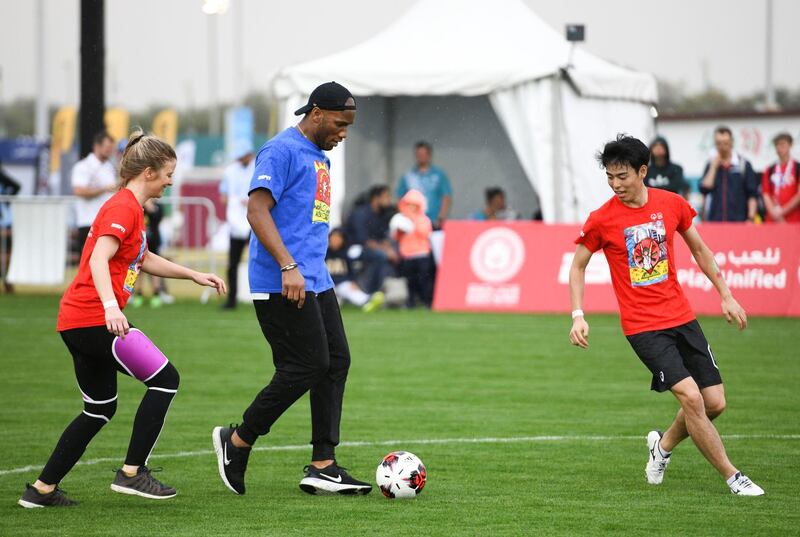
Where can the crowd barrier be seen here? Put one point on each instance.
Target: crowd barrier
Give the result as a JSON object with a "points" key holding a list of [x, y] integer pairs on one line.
{"points": [[41, 226], [524, 267]]}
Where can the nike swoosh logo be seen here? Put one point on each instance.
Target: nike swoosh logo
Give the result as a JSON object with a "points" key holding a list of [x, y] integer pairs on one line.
{"points": [[337, 479], [225, 458]]}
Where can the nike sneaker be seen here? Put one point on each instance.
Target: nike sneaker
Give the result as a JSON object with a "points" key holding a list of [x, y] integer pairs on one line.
{"points": [[742, 486], [32, 498], [656, 462], [231, 460], [142, 484], [332, 479]]}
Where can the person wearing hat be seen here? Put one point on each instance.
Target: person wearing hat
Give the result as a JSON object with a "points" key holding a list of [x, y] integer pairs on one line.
{"points": [[293, 295], [233, 190]]}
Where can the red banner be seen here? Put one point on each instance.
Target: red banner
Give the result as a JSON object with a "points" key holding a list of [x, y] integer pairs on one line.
{"points": [[524, 267]]}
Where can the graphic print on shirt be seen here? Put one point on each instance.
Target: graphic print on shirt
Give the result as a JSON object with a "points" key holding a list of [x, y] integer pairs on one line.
{"points": [[647, 252], [135, 267], [322, 201]]}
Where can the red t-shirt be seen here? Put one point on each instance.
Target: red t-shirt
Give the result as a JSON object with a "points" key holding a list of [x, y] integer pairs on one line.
{"points": [[121, 217], [638, 246], [781, 183]]}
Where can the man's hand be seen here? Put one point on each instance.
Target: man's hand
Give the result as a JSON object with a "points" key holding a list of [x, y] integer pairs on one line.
{"points": [[579, 335], [734, 312], [776, 212], [294, 286]]}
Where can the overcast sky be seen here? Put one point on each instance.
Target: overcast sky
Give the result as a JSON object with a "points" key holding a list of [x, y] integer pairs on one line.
{"points": [[157, 50]]}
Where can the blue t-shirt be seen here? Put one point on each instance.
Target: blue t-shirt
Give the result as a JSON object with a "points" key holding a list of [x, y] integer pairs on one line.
{"points": [[296, 171], [433, 184]]}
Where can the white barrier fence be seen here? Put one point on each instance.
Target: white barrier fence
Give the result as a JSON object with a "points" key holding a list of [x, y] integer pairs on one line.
{"points": [[35, 249]]}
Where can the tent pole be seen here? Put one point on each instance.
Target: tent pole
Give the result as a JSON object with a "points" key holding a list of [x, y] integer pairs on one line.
{"points": [[558, 183], [389, 114]]}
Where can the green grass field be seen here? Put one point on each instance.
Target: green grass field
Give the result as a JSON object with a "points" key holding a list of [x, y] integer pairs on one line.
{"points": [[521, 433]]}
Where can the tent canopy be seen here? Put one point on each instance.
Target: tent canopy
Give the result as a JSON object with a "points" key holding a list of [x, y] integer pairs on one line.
{"points": [[446, 47], [555, 102]]}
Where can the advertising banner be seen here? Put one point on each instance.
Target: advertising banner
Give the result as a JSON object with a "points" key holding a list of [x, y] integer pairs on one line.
{"points": [[524, 267]]}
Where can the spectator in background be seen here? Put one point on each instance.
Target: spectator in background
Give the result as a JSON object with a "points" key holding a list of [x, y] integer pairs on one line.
{"points": [[662, 172], [234, 194], [153, 214], [730, 181], [495, 208], [368, 228], [779, 184], [432, 181], [341, 268], [94, 179], [8, 187], [412, 228]]}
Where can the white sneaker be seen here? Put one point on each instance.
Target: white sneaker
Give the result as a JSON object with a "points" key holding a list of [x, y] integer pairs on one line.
{"points": [[656, 464], [166, 298], [744, 487]]}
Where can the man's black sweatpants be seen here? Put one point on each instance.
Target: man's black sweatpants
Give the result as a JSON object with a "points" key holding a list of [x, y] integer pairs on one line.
{"points": [[310, 352]]}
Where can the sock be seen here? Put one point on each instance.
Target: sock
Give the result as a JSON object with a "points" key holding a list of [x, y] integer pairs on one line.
{"points": [[665, 454], [732, 479]]}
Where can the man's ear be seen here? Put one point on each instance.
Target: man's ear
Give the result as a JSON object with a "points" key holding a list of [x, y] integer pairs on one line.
{"points": [[643, 171]]}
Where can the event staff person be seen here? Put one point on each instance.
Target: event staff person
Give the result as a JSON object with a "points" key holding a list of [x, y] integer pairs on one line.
{"points": [[289, 212], [102, 341], [635, 229], [780, 184], [93, 182]]}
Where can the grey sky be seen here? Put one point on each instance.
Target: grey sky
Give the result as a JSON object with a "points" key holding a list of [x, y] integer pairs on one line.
{"points": [[157, 50]]}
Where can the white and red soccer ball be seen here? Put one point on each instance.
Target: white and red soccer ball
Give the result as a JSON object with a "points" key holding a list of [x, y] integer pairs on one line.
{"points": [[401, 475]]}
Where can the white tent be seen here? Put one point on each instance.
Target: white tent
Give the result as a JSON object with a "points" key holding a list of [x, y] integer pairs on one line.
{"points": [[555, 104]]}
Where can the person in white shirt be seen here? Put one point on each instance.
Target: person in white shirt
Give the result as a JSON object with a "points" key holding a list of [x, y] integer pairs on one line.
{"points": [[94, 179], [234, 194]]}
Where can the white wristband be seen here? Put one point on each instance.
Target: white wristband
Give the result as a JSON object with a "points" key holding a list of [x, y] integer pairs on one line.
{"points": [[110, 304], [577, 313]]}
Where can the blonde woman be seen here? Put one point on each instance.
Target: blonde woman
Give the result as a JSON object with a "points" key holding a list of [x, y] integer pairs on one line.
{"points": [[102, 341]]}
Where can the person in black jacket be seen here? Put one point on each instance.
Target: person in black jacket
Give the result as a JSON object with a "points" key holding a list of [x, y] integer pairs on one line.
{"points": [[662, 172]]}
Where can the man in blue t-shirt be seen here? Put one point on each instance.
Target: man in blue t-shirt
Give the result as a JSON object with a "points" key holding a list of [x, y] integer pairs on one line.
{"points": [[289, 212], [431, 181]]}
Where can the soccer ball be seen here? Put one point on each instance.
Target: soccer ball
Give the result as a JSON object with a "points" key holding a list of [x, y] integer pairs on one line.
{"points": [[401, 475]]}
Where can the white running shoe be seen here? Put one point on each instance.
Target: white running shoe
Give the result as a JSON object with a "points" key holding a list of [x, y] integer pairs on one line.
{"points": [[656, 464], [742, 486]]}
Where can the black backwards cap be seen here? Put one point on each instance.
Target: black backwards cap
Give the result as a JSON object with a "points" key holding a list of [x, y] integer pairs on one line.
{"points": [[328, 96]]}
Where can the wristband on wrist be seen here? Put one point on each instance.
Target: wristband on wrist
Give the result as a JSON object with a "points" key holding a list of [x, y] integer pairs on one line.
{"points": [[110, 304], [289, 267], [577, 313]]}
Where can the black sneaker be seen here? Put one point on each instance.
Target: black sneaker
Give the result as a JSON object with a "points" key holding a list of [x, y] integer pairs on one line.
{"points": [[332, 479], [32, 498], [142, 484], [231, 460]]}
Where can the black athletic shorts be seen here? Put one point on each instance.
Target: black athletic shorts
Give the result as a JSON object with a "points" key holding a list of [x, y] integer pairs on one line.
{"points": [[674, 354]]}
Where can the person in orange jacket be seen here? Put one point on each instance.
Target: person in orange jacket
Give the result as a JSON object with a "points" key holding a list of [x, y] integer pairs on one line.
{"points": [[411, 228]]}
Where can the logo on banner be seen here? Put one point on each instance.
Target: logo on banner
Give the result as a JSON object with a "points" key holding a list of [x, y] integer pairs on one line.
{"points": [[322, 201], [496, 257]]}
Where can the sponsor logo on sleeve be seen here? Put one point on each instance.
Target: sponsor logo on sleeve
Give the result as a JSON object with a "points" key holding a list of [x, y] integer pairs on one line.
{"points": [[119, 227]]}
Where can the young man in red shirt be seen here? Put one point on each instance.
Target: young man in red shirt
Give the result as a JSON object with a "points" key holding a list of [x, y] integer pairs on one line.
{"points": [[779, 184], [635, 230]]}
